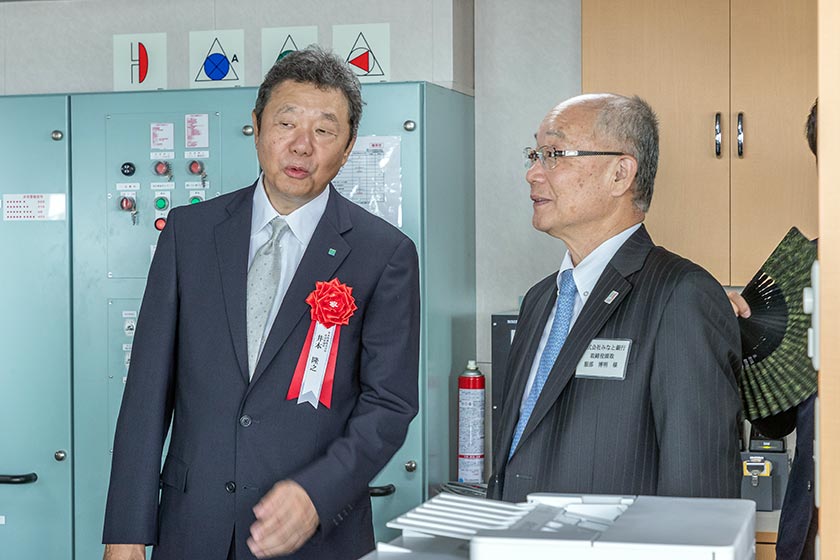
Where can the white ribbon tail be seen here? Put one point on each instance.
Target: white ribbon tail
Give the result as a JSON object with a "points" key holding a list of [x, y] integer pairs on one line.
{"points": [[316, 365]]}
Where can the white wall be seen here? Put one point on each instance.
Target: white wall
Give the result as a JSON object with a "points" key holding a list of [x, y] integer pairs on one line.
{"points": [[60, 46], [527, 59]]}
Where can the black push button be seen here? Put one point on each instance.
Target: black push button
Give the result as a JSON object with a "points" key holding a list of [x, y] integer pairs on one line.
{"points": [[245, 421], [230, 487]]}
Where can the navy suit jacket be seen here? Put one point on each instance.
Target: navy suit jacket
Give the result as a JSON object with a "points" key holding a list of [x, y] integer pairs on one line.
{"points": [[669, 428], [798, 520], [232, 440]]}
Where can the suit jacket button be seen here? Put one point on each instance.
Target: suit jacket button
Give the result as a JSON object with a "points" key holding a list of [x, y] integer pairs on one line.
{"points": [[230, 487], [245, 421]]}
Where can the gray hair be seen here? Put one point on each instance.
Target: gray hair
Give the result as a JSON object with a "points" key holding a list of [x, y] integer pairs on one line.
{"points": [[631, 122], [323, 69]]}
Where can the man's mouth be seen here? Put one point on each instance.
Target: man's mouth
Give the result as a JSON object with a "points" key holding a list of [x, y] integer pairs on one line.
{"points": [[296, 172]]}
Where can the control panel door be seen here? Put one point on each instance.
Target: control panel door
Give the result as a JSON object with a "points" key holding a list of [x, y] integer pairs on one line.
{"points": [[35, 445]]}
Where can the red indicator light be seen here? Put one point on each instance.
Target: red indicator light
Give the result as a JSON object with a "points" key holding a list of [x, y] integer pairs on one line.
{"points": [[161, 168], [196, 167], [160, 223]]}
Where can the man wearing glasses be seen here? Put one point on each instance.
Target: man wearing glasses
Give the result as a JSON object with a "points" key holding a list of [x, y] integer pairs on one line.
{"points": [[622, 374]]}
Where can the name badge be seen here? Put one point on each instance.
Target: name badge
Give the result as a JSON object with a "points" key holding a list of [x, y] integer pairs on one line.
{"points": [[605, 359]]}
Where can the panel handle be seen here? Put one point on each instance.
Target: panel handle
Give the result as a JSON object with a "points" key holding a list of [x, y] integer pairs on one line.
{"points": [[717, 135], [379, 491], [740, 135], [18, 478]]}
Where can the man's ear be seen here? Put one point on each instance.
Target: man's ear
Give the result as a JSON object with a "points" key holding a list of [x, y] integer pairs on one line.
{"points": [[256, 124], [348, 149], [624, 174]]}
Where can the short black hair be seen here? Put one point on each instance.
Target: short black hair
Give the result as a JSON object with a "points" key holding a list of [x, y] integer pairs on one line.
{"points": [[323, 69], [811, 128]]}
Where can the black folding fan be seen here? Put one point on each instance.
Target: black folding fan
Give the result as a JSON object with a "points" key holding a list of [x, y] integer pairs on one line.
{"points": [[777, 372]]}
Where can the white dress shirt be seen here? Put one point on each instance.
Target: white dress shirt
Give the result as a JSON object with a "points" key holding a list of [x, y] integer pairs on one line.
{"points": [[292, 242], [586, 275]]}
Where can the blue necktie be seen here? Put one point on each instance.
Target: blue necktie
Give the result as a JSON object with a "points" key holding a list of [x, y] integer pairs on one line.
{"points": [[556, 337]]}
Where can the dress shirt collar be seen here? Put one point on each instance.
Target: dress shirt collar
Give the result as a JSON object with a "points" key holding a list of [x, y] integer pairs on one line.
{"points": [[302, 222], [587, 272]]}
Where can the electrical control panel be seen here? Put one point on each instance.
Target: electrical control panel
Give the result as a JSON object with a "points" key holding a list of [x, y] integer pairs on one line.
{"points": [[135, 157], [80, 234]]}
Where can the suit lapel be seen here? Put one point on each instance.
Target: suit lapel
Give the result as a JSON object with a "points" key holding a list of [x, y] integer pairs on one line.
{"points": [[594, 315], [233, 237], [317, 265]]}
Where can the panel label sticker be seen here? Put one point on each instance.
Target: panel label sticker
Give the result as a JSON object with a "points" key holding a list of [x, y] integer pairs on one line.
{"points": [[162, 136], [34, 207], [372, 177], [197, 128]]}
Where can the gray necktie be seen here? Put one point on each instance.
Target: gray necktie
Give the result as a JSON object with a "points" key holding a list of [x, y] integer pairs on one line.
{"points": [[263, 277]]}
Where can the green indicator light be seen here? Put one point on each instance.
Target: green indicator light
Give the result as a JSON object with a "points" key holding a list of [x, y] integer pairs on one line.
{"points": [[195, 200], [161, 203]]}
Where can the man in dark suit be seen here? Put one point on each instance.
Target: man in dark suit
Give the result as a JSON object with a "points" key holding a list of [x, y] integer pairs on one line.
{"points": [[280, 329], [622, 375], [799, 520]]}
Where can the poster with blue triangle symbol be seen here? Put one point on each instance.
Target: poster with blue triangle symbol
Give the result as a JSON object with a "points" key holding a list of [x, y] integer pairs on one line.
{"points": [[221, 64]]}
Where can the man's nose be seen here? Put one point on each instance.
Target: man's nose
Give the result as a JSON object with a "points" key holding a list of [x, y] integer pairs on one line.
{"points": [[535, 172], [302, 143]]}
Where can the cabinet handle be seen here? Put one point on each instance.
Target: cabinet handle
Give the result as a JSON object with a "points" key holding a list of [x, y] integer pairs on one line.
{"points": [[717, 134], [740, 135], [379, 491], [18, 478]]}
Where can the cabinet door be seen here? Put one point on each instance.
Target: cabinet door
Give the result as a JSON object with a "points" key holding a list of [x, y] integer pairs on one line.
{"points": [[675, 55], [774, 83], [35, 445]]}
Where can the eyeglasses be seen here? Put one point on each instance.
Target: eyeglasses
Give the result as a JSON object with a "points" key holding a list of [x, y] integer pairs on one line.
{"points": [[548, 156]]}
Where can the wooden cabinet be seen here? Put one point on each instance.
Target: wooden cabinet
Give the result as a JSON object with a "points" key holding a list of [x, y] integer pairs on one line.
{"points": [[765, 546], [693, 61]]}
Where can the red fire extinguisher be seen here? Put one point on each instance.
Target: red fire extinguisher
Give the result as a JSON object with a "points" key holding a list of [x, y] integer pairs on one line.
{"points": [[471, 424]]}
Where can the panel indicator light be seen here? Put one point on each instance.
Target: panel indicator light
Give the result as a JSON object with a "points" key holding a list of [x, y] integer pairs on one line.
{"points": [[161, 168], [196, 167], [195, 200], [161, 203], [160, 223]]}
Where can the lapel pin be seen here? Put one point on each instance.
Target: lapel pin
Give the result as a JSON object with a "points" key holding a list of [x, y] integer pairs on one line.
{"points": [[610, 298], [331, 252]]}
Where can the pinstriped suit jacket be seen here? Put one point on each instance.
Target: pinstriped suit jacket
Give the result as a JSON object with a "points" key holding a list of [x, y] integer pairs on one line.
{"points": [[669, 428]]}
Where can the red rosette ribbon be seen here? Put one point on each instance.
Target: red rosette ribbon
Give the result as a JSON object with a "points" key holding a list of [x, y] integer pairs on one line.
{"points": [[332, 304]]}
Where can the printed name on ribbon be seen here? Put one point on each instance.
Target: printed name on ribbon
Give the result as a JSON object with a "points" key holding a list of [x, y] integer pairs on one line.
{"points": [[332, 305]]}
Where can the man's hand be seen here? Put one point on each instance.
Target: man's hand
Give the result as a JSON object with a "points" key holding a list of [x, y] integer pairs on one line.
{"points": [[739, 305], [125, 552], [286, 518]]}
